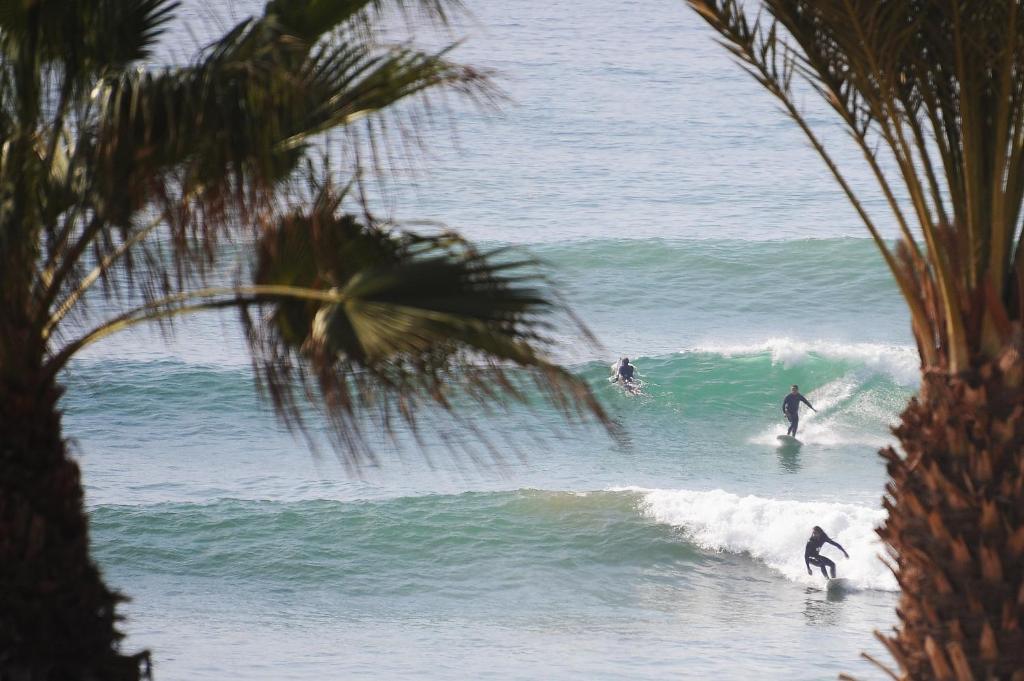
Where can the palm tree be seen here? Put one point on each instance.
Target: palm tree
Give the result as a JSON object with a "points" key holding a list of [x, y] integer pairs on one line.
{"points": [[931, 91], [137, 178]]}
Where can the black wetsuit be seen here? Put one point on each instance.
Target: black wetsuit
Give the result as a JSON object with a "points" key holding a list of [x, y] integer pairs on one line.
{"points": [[791, 408], [626, 372], [811, 556]]}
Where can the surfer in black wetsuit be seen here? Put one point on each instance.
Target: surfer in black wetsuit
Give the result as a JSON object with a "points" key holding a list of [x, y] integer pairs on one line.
{"points": [[791, 408], [625, 371], [814, 544]]}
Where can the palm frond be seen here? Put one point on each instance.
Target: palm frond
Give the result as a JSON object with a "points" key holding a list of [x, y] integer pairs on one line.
{"points": [[312, 19], [422, 319], [86, 38], [381, 326], [206, 146], [347, 84], [935, 87]]}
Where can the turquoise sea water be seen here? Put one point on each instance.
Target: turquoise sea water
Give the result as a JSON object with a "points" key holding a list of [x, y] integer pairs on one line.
{"points": [[690, 228]]}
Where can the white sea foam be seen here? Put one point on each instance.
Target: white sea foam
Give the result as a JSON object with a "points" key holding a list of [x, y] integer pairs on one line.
{"points": [[839, 419], [774, 531], [898, 361]]}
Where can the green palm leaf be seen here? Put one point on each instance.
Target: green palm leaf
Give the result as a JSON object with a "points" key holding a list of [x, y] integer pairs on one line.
{"points": [[154, 183], [86, 38], [417, 321], [208, 145]]}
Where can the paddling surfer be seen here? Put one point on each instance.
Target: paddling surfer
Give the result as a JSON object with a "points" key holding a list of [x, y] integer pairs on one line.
{"points": [[624, 374], [791, 408], [811, 555], [624, 371]]}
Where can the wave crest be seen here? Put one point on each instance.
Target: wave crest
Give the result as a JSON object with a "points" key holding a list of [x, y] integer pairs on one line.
{"points": [[774, 531], [900, 362]]}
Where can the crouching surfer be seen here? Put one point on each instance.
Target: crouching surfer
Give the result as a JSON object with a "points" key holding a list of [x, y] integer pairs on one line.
{"points": [[812, 557]]}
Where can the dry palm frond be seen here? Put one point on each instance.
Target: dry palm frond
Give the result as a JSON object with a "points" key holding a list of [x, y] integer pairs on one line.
{"points": [[932, 89], [935, 90]]}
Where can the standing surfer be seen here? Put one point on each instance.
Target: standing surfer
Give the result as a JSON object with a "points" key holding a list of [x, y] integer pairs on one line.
{"points": [[791, 408], [814, 544]]}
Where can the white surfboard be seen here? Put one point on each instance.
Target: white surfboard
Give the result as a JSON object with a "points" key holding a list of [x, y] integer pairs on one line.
{"points": [[633, 388], [788, 440]]}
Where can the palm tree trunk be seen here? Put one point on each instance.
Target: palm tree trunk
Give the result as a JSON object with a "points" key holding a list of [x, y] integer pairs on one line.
{"points": [[57, 617], [956, 526]]}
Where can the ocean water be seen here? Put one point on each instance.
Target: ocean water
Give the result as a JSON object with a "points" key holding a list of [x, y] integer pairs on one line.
{"points": [[688, 225]]}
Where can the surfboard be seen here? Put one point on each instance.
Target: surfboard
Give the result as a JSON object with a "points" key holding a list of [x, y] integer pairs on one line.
{"points": [[632, 388], [839, 584], [789, 440]]}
